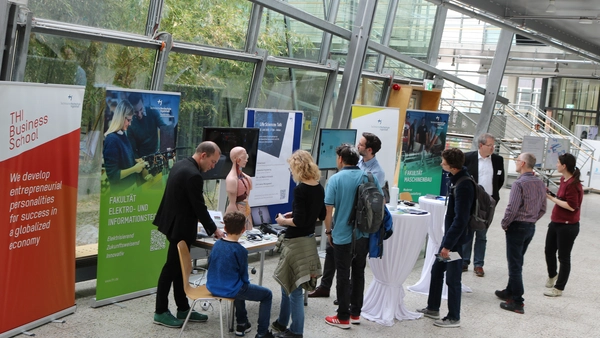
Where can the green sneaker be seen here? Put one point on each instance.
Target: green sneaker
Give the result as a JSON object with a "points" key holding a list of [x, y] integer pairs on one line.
{"points": [[167, 319], [194, 317]]}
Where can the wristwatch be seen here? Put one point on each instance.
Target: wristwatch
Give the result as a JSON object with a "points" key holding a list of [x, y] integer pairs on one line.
{"points": [[327, 232]]}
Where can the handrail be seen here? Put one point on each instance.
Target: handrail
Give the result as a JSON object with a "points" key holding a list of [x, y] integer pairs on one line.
{"points": [[566, 134], [533, 122]]}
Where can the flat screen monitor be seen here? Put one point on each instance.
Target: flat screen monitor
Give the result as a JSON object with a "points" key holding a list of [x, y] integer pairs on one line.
{"points": [[227, 139], [329, 140], [260, 215]]}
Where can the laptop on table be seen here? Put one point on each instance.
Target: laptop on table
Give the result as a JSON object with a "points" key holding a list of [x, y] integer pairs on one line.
{"points": [[262, 219]]}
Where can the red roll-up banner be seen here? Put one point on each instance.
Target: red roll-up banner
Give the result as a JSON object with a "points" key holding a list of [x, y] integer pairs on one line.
{"points": [[39, 161]]}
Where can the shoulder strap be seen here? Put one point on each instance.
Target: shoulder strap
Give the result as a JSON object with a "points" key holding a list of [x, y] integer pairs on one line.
{"points": [[470, 178], [465, 178], [370, 177]]}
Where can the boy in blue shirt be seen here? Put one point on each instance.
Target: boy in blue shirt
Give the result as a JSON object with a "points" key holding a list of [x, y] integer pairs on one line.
{"points": [[228, 277]]}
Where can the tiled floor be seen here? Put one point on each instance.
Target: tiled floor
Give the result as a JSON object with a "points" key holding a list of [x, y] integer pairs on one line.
{"points": [[572, 315]]}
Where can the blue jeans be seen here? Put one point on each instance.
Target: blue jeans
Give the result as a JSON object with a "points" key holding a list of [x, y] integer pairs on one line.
{"points": [[350, 296], [255, 293], [453, 280], [518, 237], [480, 239], [292, 305]]}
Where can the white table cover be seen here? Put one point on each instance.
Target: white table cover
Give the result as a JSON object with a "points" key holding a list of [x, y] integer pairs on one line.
{"points": [[384, 299], [437, 209]]}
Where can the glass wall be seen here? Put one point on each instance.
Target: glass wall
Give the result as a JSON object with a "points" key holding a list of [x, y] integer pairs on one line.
{"points": [[97, 65], [369, 92], [294, 89], [286, 37], [216, 98], [121, 15], [209, 66], [208, 22]]}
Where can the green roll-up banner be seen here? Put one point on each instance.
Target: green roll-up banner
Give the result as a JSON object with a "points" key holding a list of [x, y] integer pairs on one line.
{"points": [[138, 152]]}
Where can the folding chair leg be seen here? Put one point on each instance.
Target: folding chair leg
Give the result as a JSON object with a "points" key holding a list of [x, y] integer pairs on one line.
{"points": [[232, 315], [221, 316], [187, 318]]}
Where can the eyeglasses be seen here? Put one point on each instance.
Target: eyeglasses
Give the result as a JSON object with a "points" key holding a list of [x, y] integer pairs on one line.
{"points": [[129, 119]]}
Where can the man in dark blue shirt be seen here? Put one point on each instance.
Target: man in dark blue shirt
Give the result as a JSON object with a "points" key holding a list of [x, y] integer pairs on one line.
{"points": [[457, 233], [144, 129]]}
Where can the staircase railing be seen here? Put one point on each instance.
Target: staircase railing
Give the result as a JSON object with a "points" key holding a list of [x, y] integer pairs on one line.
{"points": [[510, 123]]}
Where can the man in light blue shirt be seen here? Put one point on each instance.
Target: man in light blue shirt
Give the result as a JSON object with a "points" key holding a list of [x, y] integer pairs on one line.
{"points": [[368, 145], [339, 194]]}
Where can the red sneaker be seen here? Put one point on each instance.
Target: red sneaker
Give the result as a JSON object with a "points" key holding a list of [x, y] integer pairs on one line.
{"points": [[355, 320], [335, 321]]}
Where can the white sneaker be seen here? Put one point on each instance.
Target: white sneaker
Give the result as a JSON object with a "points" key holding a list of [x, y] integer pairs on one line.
{"points": [[551, 280], [447, 322], [554, 292]]}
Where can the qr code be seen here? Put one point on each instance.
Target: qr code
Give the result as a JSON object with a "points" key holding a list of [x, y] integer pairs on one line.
{"points": [[282, 194], [158, 241]]}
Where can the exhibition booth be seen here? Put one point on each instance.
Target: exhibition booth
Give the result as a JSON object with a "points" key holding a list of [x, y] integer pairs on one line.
{"points": [[39, 170]]}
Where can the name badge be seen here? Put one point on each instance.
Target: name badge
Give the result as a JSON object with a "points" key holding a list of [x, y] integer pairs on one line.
{"points": [[499, 172]]}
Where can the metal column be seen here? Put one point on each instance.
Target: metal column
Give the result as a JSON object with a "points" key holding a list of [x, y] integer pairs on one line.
{"points": [[154, 14], [23, 34], [493, 82], [357, 51], [436, 37], [253, 28], [162, 58], [331, 15], [257, 78], [387, 33]]}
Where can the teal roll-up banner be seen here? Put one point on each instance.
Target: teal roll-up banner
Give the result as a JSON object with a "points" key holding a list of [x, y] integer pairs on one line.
{"points": [[423, 142]]}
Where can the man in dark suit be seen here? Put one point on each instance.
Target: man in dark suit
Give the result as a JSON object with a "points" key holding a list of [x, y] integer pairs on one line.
{"points": [[487, 169], [181, 208]]}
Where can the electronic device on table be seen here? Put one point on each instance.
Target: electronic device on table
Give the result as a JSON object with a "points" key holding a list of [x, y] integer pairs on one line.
{"points": [[262, 219]]}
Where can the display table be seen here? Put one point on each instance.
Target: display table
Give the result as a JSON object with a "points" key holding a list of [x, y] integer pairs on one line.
{"points": [[437, 208], [384, 299], [254, 246]]}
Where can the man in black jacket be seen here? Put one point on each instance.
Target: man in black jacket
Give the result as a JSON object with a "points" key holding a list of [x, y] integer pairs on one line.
{"points": [[457, 232], [181, 208], [487, 169]]}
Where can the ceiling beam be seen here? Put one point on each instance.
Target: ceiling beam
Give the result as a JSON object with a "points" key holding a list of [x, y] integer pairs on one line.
{"points": [[495, 13]]}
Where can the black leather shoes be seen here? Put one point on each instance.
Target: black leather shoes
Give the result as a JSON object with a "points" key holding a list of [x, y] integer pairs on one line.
{"points": [[502, 294], [510, 305], [320, 292]]}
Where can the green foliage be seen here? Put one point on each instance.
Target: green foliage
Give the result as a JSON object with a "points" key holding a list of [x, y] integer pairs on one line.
{"points": [[220, 23], [122, 15]]}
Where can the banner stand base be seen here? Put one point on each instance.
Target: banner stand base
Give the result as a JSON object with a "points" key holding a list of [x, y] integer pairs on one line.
{"points": [[39, 322], [108, 301]]}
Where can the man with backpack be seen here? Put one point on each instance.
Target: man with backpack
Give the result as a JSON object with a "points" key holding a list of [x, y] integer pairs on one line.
{"points": [[350, 258], [457, 233], [487, 169]]}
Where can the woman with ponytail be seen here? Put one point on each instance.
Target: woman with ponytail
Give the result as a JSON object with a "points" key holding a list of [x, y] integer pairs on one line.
{"points": [[564, 225]]}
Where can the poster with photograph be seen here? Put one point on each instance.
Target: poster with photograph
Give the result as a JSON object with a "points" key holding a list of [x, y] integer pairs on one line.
{"points": [[422, 145], [138, 152]]}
